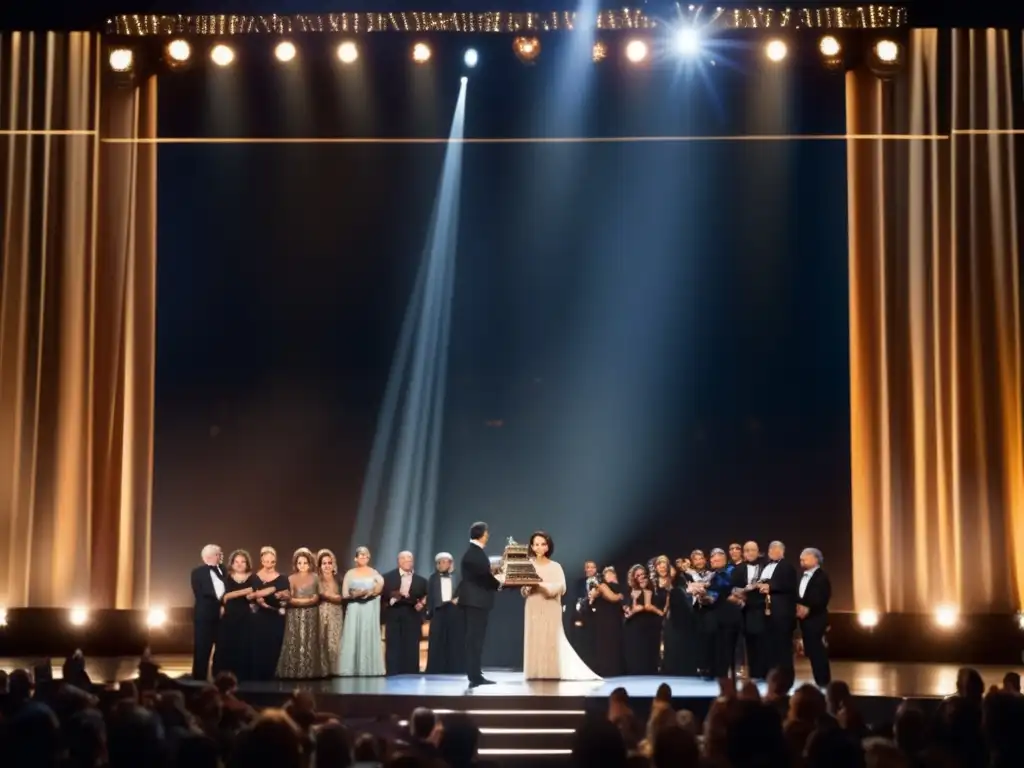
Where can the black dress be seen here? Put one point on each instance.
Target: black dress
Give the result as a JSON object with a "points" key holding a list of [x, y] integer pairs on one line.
{"points": [[680, 627], [267, 630], [607, 620], [234, 635], [642, 635]]}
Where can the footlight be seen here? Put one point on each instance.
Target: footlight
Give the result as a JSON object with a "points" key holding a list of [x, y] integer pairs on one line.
{"points": [[78, 616], [868, 619], [156, 618], [3, 617], [946, 616]]}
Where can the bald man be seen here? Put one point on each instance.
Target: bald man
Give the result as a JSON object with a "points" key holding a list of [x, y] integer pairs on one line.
{"points": [[404, 600], [746, 577]]}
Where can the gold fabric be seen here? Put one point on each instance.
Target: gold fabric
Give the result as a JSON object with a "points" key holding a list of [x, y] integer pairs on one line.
{"points": [[934, 290], [76, 327]]}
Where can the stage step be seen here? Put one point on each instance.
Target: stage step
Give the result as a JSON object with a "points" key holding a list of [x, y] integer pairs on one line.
{"points": [[518, 735]]}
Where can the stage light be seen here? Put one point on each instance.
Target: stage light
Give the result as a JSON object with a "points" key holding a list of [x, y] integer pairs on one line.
{"points": [[463, 79], [776, 51], [527, 49], [3, 617], [887, 51], [421, 53], [688, 41], [222, 55], [599, 51], [636, 51], [1020, 621], [829, 46], [285, 52], [471, 58], [868, 619], [946, 616], [122, 60], [157, 618], [78, 616], [178, 51], [348, 52]]}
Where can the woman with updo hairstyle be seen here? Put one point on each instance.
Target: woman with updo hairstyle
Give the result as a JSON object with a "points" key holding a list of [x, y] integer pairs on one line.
{"points": [[607, 601], [268, 618], [547, 654], [301, 657], [362, 654], [234, 634], [330, 608]]}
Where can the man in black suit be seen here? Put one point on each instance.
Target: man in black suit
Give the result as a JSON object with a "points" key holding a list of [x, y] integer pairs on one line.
{"points": [[447, 646], [476, 598], [778, 585], [405, 597], [207, 589], [746, 577], [579, 615], [814, 592]]}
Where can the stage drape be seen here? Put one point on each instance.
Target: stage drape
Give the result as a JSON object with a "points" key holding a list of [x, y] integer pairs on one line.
{"points": [[935, 330], [77, 326]]}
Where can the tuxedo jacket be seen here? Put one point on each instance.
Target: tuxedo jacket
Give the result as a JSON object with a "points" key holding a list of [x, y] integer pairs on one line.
{"points": [[816, 598], [478, 585], [727, 614], [434, 600], [753, 609], [393, 583], [783, 585], [206, 603]]}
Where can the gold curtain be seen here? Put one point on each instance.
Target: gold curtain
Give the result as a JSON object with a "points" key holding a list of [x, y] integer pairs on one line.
{"points": [[77, 326], [935, 333]]}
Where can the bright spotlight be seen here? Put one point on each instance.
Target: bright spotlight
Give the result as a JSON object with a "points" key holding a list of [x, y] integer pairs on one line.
{"points": [[471, 58], [179, 51], [1020, 621], [887, 51], [421, 53], [829, 46], [636, 51], [868, 619], [348, 52], [946, 616], [3, 617], [776, 50], [463, 79], [157, 618], [78, 616], [285, 52], [222, 55], [121, 60], [688, 41]]}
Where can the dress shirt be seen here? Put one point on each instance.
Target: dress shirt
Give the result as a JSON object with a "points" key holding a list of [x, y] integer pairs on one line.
{"points": [[752, 573], [446, 588], [769, 569], [218, 582], [406, 583], [474, 541], [806, 579]]}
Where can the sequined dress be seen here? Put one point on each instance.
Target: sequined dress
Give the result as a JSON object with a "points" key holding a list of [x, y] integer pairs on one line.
{"points": [[301, 655], [330, 624]]}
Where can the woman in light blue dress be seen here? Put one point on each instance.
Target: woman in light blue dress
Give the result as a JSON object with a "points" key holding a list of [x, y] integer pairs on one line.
{"points": [[362, 654]]}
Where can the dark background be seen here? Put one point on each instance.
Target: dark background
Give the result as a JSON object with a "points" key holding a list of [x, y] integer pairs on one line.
{"points": [[660, 327]]}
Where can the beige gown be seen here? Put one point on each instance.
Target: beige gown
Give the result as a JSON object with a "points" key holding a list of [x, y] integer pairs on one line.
{"points": [[547, 654]]}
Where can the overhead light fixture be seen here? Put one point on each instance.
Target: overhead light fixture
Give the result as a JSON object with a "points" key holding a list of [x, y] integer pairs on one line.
{"points": [[776, 51], [348, 52], [122, 60], [471, 58], [688, 42], [178, 52], [222, 55], [887, 51], [285, 52], [636, 51], [421, 53]]}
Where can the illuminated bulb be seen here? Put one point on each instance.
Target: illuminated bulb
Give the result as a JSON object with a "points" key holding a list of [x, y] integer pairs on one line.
{"points": [[599, 52], [463, 79], [157, 618], [776, 50], [946, 616], [527, 49], [121, 60], [285, 52], [887, 51], [421, 53], [472, 58], [688, 41], [636, 51], [3, 617], [78, 616], [179, 51], [348, 52], [221, 55], [868, 619], [1020, 621], [829, 46]]}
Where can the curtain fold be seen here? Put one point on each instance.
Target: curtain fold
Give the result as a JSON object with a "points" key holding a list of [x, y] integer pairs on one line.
{"points": [[936, 447], [77, 309]]}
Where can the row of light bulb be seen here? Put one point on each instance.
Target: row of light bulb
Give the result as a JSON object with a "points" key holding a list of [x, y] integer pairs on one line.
{"points": [[79, 617]]}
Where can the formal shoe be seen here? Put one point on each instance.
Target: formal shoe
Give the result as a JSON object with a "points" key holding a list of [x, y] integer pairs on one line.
{"points": [[481, 681]]}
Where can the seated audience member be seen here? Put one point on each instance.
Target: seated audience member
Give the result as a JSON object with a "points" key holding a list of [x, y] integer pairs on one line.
{"points": [[460, 739], [196, 751], [134, 737], [830, 747], [909, 731], [882, 753], [369, 749], [332, 746], [598, 743], [618, 704], [423, 730], [73, 671], [235, 713], [969, 684], [273, 739], [32, 736], [1003, 716], [85, 737], [632, 732], [754, 736], [1011, 683], [675, 747], [780, 683]]}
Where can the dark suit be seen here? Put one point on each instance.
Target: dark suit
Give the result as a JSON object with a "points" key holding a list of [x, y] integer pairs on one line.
{"points": [[754, 621], [817, 593], [205, 618], [727, 618], [445, 653], [579, 620], [781, 624], [476, 598], [403, 623]]}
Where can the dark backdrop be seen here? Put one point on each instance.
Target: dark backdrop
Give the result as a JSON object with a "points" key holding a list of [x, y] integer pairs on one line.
{"points": [[659, 327]]}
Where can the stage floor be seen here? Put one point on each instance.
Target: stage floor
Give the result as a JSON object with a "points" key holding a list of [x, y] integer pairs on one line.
{"points": [[864, 678]]}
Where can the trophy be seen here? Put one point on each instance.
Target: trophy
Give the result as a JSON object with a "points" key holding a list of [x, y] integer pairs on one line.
{"points": [[517, 566]]}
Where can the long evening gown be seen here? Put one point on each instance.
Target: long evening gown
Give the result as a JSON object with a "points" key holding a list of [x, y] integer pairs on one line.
{"points": [[331, 615], [234, 634], [680, 627], [641, 635], [547, 654], [607, 619], [267, 629], [362, 654], [301, 657]]}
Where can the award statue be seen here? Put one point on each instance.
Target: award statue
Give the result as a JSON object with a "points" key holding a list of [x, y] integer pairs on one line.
{"points": [[517, 566]]}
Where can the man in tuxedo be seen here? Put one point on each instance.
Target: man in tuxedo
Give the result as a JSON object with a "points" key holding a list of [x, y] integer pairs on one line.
{"points": [[207, 589], [778, 585], [579, 613], [814, 593], [746, 578], [476, 598], [405, 597], [447, 632]]}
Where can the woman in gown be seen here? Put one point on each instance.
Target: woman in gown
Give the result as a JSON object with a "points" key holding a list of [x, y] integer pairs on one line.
{"points": [[234, 634], [330, 609], [679, 659], [607, 601], [641, 635], [268, 619], [547, 654], [362, 654], [300, 655]]}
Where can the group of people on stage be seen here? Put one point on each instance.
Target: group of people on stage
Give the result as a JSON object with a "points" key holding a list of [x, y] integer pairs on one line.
{"points": [[684, 618], [703, 616]]}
